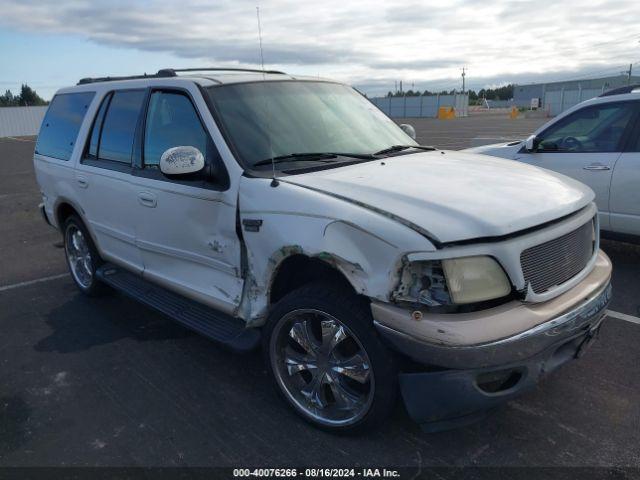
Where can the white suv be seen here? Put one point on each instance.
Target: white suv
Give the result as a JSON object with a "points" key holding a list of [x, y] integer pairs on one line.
{"points": [[258, 206]]}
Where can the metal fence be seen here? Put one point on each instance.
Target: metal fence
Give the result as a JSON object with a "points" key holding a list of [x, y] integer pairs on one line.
{"points": [[554, 102], [19, 121], [557, 101], [422, 106]]}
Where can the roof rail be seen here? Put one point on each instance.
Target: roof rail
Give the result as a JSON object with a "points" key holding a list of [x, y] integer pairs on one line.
{"points": [[173, 72], [161, 73], [621, 90]]}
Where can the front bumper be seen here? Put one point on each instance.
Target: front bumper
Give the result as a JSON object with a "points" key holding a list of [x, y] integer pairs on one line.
{"points": [[472, 378]]}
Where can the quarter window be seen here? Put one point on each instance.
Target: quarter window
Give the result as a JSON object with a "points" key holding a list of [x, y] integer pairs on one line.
{"points": [[598, 128], [171, 122], [62, 123]]}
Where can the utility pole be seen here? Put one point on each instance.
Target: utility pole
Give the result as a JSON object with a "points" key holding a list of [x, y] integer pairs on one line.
{"points": [[629, 74], [463, 75]]}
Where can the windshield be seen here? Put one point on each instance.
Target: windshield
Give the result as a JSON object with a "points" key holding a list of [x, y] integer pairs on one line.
{"points": [[272, 119]]}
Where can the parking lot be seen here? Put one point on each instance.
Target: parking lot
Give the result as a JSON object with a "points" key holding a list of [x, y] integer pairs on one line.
{"points": [[86, 382]]}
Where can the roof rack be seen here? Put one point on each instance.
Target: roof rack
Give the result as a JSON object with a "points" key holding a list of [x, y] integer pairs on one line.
{"points": [[161, 73], [621, 90], [173, 72]]}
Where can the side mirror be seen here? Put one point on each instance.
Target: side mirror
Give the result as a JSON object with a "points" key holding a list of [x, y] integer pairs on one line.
{"points": [[181, 160], [531, 145], [409, 130]]}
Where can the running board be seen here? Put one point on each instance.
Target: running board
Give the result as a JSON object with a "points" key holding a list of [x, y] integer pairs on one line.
{"points": [[224, 329]]}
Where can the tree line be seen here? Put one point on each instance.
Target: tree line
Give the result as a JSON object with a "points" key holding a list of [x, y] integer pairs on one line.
{"points": [[27, 98], [501, 93]]}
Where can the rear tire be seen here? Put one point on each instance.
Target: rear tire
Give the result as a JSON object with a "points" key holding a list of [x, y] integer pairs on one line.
{"points": [[327, 360], [82, 257]]}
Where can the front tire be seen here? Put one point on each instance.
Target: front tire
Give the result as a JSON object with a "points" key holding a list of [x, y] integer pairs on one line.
{"points": [[327, 360], [82, 257]]}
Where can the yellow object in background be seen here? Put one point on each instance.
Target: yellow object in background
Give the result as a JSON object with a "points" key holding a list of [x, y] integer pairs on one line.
{"points": [[446, 113], [514, 113]]}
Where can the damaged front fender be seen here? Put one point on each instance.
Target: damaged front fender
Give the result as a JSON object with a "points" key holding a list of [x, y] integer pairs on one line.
{"points": [[365, 247]]}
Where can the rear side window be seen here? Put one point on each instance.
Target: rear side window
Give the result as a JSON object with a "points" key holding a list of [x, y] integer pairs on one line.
{"points": [[634, 141], [62, 123], [119, 126]]}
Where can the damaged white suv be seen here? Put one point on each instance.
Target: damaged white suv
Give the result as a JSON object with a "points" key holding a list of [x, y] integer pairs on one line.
{"points": [[257, 206]]}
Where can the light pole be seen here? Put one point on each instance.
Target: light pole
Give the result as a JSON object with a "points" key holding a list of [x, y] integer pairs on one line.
{"points": [[463, 75]]}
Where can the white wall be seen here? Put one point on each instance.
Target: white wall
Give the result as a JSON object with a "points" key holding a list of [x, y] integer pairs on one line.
{"points": [[18, 121]]}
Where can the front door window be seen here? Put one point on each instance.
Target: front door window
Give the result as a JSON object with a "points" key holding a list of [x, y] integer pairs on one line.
{"points": [[593, 129]]}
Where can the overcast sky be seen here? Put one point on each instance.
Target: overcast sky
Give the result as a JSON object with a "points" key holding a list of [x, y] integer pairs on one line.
{"points": [[52, 43]]}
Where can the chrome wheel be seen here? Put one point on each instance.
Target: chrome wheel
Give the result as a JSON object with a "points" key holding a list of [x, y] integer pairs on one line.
{"points": [[322, 367], [78, 256]]}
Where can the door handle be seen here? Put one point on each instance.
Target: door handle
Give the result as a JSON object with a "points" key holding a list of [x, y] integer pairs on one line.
{"points": [[596, 166], [82, 181], [147, 199]]}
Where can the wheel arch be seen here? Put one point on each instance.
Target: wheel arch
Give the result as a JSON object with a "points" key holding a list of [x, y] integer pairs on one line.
{"points": [[298, 269], [63, 209]]}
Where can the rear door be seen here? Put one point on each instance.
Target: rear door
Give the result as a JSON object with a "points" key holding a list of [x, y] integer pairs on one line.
{"points": [[103, 177], [186, 225], [585, 145], [625, 186]]}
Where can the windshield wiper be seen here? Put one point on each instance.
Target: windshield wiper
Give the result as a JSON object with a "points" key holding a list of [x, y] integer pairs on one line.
{"points": [[311, 157], [294, 156], [399, 148]]}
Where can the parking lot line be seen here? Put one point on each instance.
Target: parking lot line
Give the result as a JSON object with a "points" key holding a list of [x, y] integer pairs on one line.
{"points": [[32, 282], [610, 313], [623, 316], [21, 139]]}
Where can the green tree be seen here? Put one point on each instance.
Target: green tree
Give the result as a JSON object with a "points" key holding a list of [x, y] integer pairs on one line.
{"points": [[29, 97], [500, 93], [7, 99]]}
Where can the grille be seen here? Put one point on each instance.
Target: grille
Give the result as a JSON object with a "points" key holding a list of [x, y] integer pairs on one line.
{"points": [[557, 261]]}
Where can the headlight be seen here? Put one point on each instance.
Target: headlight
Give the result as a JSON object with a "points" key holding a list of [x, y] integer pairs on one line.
{"points": [[475, 279], [453, 281]]}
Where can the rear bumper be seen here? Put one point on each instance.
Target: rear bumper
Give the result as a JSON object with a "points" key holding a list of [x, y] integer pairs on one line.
{"points": [[471, 378], [43, 212]]}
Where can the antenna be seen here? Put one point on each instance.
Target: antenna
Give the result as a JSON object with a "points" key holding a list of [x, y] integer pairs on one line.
{"points": [[260, 39], [274, 181]]}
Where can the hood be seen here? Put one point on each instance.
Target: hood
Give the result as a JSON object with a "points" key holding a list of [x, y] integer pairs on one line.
{"points": [[453, 196], [503, 150]]}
